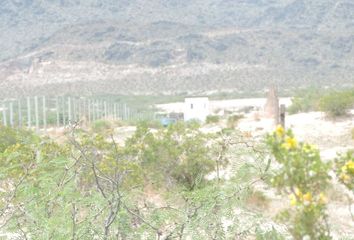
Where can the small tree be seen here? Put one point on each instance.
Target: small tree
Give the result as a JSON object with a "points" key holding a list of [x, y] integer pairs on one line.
{"points": [[345, 169], [212, 119], [305, 101], [304, 177], [337, 104], [181, 153]]}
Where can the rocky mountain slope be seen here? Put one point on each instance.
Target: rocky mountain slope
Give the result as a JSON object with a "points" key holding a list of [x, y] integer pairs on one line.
{"points": [[170, 46]]}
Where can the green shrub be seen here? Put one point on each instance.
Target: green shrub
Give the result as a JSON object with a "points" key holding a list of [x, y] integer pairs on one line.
{"points": [[152, 124], [212, 119], [268, 235], [179, 154], [233, 120], [337, 104], [345, 169], [101, 125], [305, 101], [305, 178], [333, 103], [10, 136]]}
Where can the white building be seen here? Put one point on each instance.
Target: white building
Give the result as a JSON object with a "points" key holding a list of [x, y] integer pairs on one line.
{"points": [[196, 108]]}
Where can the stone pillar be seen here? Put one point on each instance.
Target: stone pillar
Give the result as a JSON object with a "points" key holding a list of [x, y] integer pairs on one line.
{"points": [[271, 108]]}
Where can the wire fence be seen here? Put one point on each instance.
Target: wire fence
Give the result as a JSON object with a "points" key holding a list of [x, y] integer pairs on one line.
{"points": [[41, 112]]}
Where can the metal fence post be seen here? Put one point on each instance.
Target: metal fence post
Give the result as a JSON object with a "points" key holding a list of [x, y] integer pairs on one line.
{"points": [[44, 114], [11, 114], [4, 120], [57, 109], [69, 111], [19, 113], [29, 120], [36, 109]]}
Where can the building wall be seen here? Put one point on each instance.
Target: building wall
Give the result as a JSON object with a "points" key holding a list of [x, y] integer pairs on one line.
{"points": [[196, 109]]}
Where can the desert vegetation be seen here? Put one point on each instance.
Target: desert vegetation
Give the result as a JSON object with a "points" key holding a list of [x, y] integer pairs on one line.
{"points": [[335, 103], [166, 183], [94, 138]]}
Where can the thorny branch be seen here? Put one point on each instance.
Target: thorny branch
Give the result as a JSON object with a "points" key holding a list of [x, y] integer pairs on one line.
{"points": [[113, 198]]}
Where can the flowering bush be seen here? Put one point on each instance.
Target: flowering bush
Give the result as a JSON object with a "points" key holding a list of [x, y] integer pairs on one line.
{"points": [[304, 177], [345, 169]]}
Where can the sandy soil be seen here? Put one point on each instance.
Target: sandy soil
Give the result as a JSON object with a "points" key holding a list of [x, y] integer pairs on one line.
{"points": [[331, 136]]}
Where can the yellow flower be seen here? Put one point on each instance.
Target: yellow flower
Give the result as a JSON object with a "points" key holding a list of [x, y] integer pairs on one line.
{"points": [[279, 131], [307, 197], [350, 166], [344, 168], [293, 200], [323, 199], [345, 178], [298, 192], [290, 143]]}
